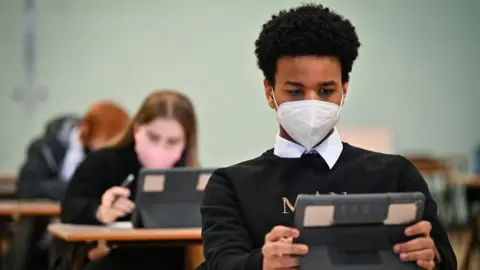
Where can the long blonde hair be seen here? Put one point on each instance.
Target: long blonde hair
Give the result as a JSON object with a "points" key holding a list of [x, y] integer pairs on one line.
{"points": [[170, 104]]}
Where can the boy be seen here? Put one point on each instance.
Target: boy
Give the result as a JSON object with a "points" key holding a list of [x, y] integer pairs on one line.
{"points": [[306, 55]]}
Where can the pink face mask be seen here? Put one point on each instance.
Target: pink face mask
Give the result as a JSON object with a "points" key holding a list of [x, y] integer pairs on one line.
{"points": [[157, 157]]}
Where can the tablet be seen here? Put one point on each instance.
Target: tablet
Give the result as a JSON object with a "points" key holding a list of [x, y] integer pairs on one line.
{"points": [[170, 198], [356, 209], [356, 231]]}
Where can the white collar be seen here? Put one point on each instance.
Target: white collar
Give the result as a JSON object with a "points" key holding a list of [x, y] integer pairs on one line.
{"points": [[330, 149], [74, 141]]}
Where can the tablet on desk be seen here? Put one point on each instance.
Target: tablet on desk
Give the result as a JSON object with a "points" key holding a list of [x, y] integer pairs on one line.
{"points": [[170, 198], [356, 231]]}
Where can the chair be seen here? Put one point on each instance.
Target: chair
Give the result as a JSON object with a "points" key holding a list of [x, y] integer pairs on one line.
{"points": [[7, 191], [433, 169], [8, 186], [473, 196]]}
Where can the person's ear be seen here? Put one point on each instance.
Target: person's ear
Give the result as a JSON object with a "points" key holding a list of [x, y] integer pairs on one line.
{"points": [[269, 94], [345, 91], [82, 129]]}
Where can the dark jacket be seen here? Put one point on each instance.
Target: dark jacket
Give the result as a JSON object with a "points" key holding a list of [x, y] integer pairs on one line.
{"points": [[100, 171], [39, 176]]}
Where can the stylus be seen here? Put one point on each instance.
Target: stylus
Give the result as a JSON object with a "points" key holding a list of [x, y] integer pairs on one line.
{"points": [[128, 181], [125, 184]]}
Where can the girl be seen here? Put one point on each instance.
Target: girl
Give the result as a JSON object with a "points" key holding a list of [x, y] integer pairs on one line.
{"points": [[163, 134]]}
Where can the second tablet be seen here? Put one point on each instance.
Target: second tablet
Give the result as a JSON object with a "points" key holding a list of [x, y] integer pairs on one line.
{"points": [[356, 231]]}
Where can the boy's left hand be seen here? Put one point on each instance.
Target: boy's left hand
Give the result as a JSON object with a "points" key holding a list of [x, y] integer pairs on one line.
{"points": [[421, 249]]}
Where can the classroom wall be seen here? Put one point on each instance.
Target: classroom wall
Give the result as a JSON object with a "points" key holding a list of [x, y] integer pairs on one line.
{"points": [[416, 73]]}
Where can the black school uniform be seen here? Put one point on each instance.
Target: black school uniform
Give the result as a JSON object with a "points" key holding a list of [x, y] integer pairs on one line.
{"points": [[243, 202], [100, 171]]}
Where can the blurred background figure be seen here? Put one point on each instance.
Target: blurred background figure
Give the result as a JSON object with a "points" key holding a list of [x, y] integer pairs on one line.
{"points": [[39, 176], [53, 158]]}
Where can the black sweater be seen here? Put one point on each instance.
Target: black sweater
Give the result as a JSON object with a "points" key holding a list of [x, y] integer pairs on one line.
{"points": [[242, 203], [100, 171]]}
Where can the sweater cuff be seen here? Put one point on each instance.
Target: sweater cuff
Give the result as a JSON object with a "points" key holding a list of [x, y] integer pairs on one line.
{"points": [[92, 211], [252, 261]]}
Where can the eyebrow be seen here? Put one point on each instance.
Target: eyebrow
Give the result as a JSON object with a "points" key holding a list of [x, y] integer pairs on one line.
{"points": [[321, 84], [327, 83], [152, 134], [296, 84]]}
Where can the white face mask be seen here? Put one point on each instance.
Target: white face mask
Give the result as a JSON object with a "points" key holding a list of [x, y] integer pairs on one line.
{"points": [[308, 121]]}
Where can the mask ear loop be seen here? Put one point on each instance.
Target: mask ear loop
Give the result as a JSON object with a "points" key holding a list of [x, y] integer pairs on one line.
{"points": [[341, 104], [274, 99]]}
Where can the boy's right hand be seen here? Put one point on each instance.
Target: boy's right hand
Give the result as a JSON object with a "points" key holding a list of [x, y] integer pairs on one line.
{"points": [[279, 252]]}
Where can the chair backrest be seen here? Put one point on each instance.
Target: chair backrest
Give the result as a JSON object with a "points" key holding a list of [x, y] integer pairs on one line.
{"points": [[433, 166], [373, 138], [439, 175], [8, 185]]}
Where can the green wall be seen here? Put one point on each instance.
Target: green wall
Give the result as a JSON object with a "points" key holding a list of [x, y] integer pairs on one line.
{"points": [[416, 74]]}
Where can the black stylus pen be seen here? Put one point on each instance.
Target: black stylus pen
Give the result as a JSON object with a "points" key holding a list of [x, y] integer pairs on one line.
{"points": [[125, 184]]}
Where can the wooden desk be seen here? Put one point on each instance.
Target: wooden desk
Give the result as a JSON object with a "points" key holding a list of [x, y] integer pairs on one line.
{"points": [[29, 208], [81, 234], [85, 233], [472, 181], [26, 213]]}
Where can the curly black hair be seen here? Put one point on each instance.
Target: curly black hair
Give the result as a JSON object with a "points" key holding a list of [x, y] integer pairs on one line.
{"points": [[309, 29]]}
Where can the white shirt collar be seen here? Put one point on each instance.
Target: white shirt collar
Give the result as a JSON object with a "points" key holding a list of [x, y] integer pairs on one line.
{"points": [[74, 139], [330, 149], [74, 155]]}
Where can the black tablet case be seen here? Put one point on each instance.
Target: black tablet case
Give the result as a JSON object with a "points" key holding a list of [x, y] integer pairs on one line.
{"points": [[356, 241], [177, 206]]}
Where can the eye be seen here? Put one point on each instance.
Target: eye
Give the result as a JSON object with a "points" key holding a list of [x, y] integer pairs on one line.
{"points": [[295, 93], [173, 142], [326, 92], [153, 138]]}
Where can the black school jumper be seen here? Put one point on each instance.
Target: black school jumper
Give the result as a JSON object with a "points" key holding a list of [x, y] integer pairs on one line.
{"points": [[242, 203], [100, 171]]}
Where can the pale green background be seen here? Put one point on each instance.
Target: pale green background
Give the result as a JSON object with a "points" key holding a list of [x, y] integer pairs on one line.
{"points": [[417, 71]]}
